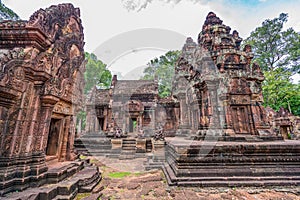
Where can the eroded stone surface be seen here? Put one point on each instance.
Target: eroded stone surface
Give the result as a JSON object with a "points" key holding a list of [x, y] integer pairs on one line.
{"points": [[41, 75], [156, 188]]}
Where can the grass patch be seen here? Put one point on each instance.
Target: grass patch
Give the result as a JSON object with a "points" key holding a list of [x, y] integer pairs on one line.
{"points": [[118, 174], [94, 161], [82, 157], [82, 195]]}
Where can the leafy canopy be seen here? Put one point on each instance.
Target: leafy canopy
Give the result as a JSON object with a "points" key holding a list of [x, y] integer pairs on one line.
{"points": [[162, 69], [96, 73], [279, 91], [278, 53], [274, 47]]}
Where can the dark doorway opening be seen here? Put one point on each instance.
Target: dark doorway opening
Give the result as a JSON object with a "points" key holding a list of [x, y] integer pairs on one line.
{"points": [[132, 124], [53, 137], [101, 123]]}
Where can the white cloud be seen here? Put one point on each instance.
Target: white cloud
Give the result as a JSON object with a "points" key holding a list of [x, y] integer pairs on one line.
{"points": [[104, 19]]}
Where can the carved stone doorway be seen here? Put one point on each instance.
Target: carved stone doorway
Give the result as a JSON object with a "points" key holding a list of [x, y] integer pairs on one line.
{"points": [[53, 142], [101, 123], [240, 120], [132, 124]]}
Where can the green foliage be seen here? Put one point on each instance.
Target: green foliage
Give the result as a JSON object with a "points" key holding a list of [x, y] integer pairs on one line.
{"points": [[279, 91], [274, 47], [96, 73], [80, 196], [82, 157], [7, 14], [278, 53], [118, 174], [162, 68]]}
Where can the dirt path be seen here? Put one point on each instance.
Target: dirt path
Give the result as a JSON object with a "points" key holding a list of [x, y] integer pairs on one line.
{"points": [[125, 179]]}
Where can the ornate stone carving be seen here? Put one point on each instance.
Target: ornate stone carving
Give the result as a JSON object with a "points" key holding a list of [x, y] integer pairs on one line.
{"points": [[41, 73], [230, 87]]}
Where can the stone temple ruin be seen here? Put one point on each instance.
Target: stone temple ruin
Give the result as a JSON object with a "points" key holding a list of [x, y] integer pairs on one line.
{"points": [[127, 116], [42, 66], [229, 141], [212, 131], [221, 134]]}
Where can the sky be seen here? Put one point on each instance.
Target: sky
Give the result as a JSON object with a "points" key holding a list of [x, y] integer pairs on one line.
{"points": [[126, 34]]}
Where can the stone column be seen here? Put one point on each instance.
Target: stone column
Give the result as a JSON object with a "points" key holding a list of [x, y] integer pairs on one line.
{"points": [[34, 123], [48, 103], [184, 128], [184, 123], [65, 134]]}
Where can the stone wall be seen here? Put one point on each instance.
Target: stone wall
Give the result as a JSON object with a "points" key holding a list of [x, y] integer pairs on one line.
{"points": [[41, 80]]}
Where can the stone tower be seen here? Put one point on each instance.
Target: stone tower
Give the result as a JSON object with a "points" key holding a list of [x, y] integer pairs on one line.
{"points": [[219, 90], [218, 86]]}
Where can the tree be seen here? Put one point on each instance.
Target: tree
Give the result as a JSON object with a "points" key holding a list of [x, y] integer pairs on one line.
{"points": [[6, 13], [275, 48], [162, 69], [96, 73], [278, 53], [279, 91]]}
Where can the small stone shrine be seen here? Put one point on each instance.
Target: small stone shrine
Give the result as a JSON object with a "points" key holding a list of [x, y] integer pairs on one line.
{"points": [[125, 117]]}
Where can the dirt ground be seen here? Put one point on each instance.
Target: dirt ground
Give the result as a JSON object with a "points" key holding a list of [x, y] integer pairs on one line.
{"points": [[126, 179]]}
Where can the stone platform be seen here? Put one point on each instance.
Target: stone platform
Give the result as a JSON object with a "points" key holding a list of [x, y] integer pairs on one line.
{"points": [[100, 144], [220, 163], [64, 180]]}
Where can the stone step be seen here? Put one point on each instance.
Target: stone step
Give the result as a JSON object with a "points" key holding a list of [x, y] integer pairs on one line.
{"points": [[129, 147], [226, 181], [230, 183], [126, 156], [128, 152], [83, 181], [55, 175], [128, 142]]}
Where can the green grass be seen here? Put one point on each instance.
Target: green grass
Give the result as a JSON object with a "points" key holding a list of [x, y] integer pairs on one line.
{"points": [[118, 174], [82, 195], [82, 157], [94, 161]]}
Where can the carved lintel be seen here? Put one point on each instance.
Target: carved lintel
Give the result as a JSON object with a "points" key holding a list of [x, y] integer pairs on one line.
{"points": [[49, 101]]}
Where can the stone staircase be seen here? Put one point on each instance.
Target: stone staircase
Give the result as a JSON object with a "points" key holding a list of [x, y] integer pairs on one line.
{"points": [[95, 144], [63, 181], [128, 149], [157, 158]]}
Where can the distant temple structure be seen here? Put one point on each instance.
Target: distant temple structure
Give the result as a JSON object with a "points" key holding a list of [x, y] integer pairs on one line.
{"points": [[41, 76], [132, 106]]}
